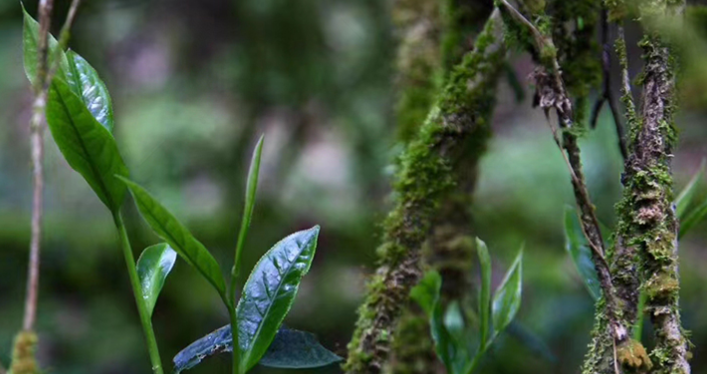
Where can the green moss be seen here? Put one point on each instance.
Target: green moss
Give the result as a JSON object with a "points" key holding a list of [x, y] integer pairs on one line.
{"points": [[572, 29], [632, 354], [23, 360], [455, 130]]}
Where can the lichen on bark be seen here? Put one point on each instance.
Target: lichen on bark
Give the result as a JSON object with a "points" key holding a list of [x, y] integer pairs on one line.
{"points": [[645, 252], [454, 132]]}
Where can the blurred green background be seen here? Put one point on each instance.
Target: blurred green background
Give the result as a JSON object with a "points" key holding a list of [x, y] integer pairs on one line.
{"points": [[194, 83]]}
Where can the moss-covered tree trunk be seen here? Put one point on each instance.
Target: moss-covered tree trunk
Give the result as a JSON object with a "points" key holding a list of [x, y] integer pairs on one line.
{"points": [[430, 170]]}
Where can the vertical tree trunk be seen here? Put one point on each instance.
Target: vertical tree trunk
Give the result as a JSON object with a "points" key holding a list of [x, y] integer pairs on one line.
{"points": [[455, 131]]}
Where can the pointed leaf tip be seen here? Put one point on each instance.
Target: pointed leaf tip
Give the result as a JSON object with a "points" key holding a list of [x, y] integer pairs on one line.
{"points": [[166, 226], [270, 291], [506, 300]]}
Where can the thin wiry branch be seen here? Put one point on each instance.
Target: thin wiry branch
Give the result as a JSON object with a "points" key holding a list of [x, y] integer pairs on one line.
{"points": [[45, 73], [37, 151], [551, 94], [607, 95]]}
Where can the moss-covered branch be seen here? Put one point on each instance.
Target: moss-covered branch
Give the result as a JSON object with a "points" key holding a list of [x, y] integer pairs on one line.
{"points": [[455, 131], [649, 221], [418, 27]]}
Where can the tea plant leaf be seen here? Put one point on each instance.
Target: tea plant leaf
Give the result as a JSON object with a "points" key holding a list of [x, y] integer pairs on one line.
{"points": [[459, 336], [91, 89], [506, 301], [153, 266], [177, 236], [220, 340], [426, 294], [251, 187], [270, 291], [485, 294], [292, 349], [30, 45], [687, 193], [578, 249], [86, 145], [696, 216]]}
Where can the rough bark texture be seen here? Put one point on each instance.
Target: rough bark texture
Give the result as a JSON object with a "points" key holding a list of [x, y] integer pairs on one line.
{"points": [[645, 248], [455, 131], [649, 217], [418, 26]]}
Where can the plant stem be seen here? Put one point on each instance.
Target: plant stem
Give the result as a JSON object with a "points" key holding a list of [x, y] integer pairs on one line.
{"points": [[137, 291], [234, 333]]}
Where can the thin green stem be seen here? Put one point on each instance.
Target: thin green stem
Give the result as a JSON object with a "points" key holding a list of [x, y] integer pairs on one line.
{"points": [[137, 291], [234, 333]]}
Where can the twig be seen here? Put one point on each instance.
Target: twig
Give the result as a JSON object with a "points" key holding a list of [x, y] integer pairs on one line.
{"points": [[607, 95], [63, 40], [45, 74], [552, 94], [37, 150]]}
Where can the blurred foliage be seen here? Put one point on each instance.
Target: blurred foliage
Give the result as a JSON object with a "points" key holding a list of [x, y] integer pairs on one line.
{"points": [[194, 83]]}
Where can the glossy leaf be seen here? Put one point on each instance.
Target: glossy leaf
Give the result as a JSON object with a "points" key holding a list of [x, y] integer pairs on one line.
{"points": [[696, 216], [578, 249], [153, 266], [30, 45], [292, 349], [251, 187], [219, 341], [86, 145], [686, 195], [506, 300], [270, 291], [93, 92], [177, 236], [485, 294]]}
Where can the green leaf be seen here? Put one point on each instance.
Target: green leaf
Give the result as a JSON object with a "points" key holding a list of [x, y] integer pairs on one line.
{"points": [[426, 294], [506, 301], [485, 294], [93, 92], [218, 341], [251, 187], [578, 249], [86, 145], [459, 335], [292, 349], [270, 291], [696, 216], [687, 193], [178, 237], [153, 266], [30, 45]]}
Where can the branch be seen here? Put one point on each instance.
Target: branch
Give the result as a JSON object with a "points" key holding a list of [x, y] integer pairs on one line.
{"points": [[25, 342], [37, 150], [607, 95], [551, 94], [425, 177], [648, 213]]}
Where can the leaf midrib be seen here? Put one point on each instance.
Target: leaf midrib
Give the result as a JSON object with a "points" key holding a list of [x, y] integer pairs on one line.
{"points": [[260, 325], [85, 150]]}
